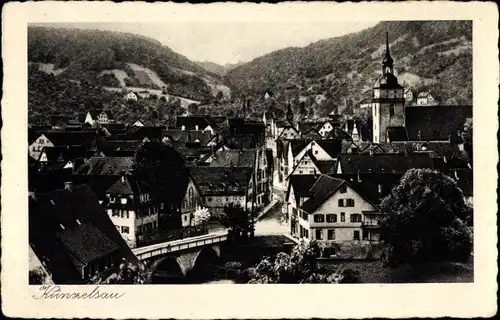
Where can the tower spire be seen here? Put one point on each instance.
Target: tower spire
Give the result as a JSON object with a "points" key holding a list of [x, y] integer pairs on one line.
{"points": [[387, 62]]}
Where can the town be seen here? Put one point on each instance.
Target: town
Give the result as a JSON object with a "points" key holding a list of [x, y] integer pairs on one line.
{"points": [[207, 198]]}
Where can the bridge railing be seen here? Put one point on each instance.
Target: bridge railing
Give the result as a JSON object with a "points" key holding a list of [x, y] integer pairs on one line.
{"points": [[171, 235]]}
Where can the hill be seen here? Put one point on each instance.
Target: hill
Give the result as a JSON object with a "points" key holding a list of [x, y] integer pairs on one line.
{"points": [[218, 69], [429, 55], [117, 59]]}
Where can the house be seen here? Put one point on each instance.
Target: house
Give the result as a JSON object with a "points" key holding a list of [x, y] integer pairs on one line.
{"points": [[139, 123], [132, 209], [365, 103], [73, 237], [98, 117], [192, 200], [288, 132], [220, 186], [251, 158], [326, 128], [296, 194], [436, 123], [341, 219], [425, 98], [131, 95], [62, 157], [408, 95], [199, 122], [61, 138]]}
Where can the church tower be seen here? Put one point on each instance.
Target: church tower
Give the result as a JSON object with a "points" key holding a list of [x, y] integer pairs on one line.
{"points": [[388, 100]]}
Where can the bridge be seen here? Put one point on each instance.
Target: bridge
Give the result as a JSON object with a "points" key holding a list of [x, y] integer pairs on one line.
{"points": [[176, 258]]}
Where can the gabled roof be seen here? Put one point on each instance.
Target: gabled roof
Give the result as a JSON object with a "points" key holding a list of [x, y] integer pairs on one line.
{"points": [[188, 135], [301, 185], [202, 121], [383, 162], [68, 228], [435, 122], [298, 145], [119, 148], [211, 180], [111, 166], [322, 189], [424, 94], [128, 185], [331, 146], [87, 243]]}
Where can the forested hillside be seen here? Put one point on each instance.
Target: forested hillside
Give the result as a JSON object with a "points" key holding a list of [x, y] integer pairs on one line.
{"points": [[110, 58], [429, 55]]}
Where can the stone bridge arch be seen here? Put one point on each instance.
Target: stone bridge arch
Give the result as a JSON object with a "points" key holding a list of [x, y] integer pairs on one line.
{"points": [[185, 261]]}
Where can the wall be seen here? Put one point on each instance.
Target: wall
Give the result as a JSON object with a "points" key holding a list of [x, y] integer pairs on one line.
{"points": [[189, 204], [129, 222], [305, 166], [344, 230]]}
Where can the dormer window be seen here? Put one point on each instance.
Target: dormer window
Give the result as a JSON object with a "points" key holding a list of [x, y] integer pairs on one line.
{"points": [[391, 110]]}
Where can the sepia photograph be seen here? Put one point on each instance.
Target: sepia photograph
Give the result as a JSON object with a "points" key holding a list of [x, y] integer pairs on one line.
{"points": [[190, 154], [346, 160]]}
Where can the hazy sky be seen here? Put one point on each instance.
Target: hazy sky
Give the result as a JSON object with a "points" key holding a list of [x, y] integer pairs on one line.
{"points": [[231, 42]]}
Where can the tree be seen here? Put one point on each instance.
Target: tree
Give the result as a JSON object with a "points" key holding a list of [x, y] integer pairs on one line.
{"points": [[300, 266], [200, 216], [467, 137], [423, 219], [219, 96], [237, 219], [303, 110], [128, 273], [192, 108]]}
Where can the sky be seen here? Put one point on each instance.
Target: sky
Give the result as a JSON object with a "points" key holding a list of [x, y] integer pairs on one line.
{"points": [[231, 42]]}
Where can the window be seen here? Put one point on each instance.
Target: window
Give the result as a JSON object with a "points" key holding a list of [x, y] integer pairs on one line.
{"points": [[365, 234], [355, 217], [116, 213], [391, 110], [319, 218], [209, 199], [125, 229], [356, 235], [331, 234], [343, 189], [331, 218], [319, 234], [349, 202], [190, 192], [154, 224], [342, 217], [341, 202], [300, 171], [139, 229], [315, 151], [126, 214]]}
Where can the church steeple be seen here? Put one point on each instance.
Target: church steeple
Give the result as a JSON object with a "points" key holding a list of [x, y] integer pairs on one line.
{"points": [[387, 62]]}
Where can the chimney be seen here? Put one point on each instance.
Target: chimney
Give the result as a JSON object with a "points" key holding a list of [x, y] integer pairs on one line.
{"points": [[68, 185]]}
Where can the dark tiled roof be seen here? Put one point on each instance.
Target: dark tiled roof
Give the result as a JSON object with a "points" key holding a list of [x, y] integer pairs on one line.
{"points": [[190, 122], [62, 215], [338, 133], [383, 162], [435, 122], [87, 243], [139, 133], [127, 185], [221, 180], [322, 189], [301, 184], [119, 148], [423, 94], [64, 153], [397, 133], [188, 135], [236, 158], [298, 145], [306, 126], [106, 166], [332, 146], [71, 138]]}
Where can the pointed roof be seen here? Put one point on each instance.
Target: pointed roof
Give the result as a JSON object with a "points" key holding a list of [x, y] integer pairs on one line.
{"points": [[387, 61]]}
